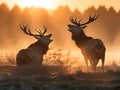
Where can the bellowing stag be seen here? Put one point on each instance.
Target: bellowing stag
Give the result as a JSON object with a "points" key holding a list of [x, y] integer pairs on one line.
{"points": [[34, 53], [92, 49]]}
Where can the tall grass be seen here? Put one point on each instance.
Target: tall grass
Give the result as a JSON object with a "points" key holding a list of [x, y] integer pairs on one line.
{"points": [[61, 57], [53, 57], [72, 60]]}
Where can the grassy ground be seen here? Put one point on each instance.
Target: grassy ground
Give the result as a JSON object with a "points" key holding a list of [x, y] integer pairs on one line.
{"points": [[58, 72], [57, 78]]}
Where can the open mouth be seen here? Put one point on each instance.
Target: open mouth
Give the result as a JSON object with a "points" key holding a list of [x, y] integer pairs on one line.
{"points": [[69, 30], [50, 37], [51, 40]]}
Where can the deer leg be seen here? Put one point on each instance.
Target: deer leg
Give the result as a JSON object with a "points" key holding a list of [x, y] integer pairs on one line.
{"points": [[103, 60], [96, 62], [91, 63], [94, 66], [86, 61], [103, 64]]}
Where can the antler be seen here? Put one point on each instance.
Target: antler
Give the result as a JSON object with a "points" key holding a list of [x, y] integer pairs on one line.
{"points": [[91, 19], [74, 21], [42, 33], [26, 30], [45, 30]]}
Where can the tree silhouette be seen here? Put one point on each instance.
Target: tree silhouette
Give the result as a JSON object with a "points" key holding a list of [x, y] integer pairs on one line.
{"points": [[106, 27]]}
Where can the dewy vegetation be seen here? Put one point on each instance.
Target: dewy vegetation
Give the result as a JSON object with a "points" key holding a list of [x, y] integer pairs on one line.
{"points": [[69, 60]]}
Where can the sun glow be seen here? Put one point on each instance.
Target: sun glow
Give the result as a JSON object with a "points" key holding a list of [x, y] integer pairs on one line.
{"points": [[36, 3]]}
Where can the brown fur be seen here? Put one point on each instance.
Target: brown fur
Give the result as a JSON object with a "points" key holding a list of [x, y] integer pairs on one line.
{"points": [[92, 49], [28, 55]]}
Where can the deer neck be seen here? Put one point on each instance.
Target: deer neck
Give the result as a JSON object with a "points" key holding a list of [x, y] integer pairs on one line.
{"points": [[81, 39], [40, 46]]}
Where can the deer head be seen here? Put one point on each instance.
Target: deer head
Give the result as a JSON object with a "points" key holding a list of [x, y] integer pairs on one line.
{"points": [[40, 36], [76, 26]]}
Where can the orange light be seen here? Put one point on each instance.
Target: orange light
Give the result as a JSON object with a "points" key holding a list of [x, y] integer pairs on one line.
{"points": [[36, 3]]}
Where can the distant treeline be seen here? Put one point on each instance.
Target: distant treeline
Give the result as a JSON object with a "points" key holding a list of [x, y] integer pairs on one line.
{"points": [[106, 27]]}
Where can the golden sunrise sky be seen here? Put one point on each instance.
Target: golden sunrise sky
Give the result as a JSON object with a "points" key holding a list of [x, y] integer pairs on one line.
{"points": [[73, 4]]}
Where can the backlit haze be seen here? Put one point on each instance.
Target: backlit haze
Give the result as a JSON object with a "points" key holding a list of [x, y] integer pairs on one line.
{"points": [[53, 4], [55, 14]]}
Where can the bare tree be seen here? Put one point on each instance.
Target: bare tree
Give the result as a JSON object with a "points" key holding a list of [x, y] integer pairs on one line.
{"points": [[92, 49], [34, 53]]}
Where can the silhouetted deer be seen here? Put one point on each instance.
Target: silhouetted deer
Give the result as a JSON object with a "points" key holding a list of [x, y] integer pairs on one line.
{"points": [[34, 53], [92, 49]]}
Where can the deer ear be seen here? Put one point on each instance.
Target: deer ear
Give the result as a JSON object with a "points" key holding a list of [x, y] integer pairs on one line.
{"points": [[83, 27], [49, 35], [73, 27], [37, 37], [70, 26]]}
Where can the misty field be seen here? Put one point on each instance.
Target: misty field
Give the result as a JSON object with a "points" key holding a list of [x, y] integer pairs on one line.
{"points": [[60, 71]]}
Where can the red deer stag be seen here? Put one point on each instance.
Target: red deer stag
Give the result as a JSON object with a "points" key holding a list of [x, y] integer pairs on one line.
{"points": [[34, 53], [92, 49]]}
